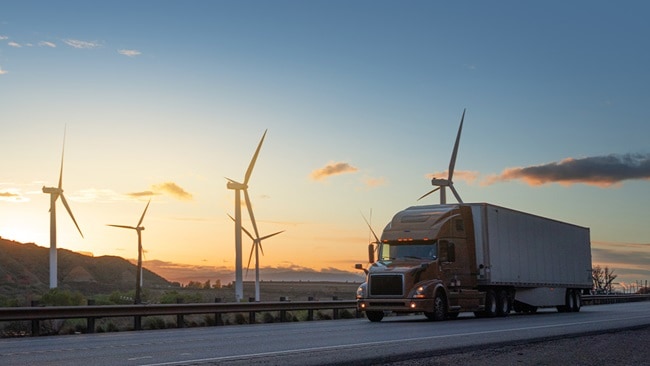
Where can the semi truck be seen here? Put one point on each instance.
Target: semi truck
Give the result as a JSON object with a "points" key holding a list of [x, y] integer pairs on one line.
{"points": [[441, 260]]}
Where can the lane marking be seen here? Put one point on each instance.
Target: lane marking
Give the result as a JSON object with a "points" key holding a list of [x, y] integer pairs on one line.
{"points": [[378, 343]]}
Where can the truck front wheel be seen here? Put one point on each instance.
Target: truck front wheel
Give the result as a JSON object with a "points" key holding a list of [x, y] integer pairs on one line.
{"points": [[439, 309], [375, 316]]}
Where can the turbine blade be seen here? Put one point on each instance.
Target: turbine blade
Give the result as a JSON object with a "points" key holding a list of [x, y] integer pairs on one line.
{"points": [[122, 226], [243, 228], [452, 162], [252, 163], [250, 256], [270, 235], [453, 190], [428, 193], [370, 227], [144, 212], [250, 213], [261, 248], [65, 203], [62, 153]]}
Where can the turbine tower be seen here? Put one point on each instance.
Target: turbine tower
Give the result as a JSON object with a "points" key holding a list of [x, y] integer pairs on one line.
{"points": [[441, 183], [238, 188], [257, 247], [138, 228], [55, 193]]}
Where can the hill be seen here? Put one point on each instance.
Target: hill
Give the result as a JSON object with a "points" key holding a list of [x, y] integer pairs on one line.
{"points": [[24, 269], [24, 274]]}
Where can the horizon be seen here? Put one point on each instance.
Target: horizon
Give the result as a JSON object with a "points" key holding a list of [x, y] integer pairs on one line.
{"points": [[361, 102]]}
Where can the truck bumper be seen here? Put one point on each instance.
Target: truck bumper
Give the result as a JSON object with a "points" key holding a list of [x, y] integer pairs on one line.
{"points": [[395, 305]]}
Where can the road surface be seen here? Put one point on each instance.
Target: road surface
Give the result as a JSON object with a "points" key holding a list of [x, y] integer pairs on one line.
{"points": [[317, 343]]}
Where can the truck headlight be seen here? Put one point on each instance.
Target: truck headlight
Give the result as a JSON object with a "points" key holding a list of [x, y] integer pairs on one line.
{"points": [[419, 292], [361, 291]]}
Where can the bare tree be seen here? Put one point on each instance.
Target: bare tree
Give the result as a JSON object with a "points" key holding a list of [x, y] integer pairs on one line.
{"points": [[603, 279]]}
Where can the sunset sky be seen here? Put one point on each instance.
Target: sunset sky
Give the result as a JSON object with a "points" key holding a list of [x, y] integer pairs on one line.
{"points": [[361, 100]]}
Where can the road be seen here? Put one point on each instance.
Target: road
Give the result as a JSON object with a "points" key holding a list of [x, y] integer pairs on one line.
{"points": [[315, 343]]}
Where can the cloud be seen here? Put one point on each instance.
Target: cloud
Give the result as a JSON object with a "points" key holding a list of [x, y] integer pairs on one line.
{"points": [[172, 189], [628, 260], [464, 175], [130, 53], [14, 44], [601, 171], [81, 44], [374, 182], [2, 38], [142, 194], [12, 196], [332, 169], [2, 72], [46, 44]]}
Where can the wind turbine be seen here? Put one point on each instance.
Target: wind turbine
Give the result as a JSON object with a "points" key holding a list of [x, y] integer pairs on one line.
{"points": [[441, 183], [257, 247], [238, 187], [55, 193], [138, 228], [373, 247]]}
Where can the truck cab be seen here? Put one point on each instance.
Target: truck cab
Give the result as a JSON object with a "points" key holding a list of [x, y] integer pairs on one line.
{"points": [[424, 264]]}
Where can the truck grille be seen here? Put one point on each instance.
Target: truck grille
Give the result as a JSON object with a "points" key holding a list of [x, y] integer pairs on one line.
{"points": [[386, 285]]}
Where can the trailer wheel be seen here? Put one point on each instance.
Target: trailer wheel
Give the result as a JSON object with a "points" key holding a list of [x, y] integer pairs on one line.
{"points": [[375, 316], [504, 305], [439, 309], [577, 301], [490, 304]]}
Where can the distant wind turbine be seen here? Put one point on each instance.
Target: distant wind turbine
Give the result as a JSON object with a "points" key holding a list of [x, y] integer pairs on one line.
{"points": [[138, 228], [441, 183], [238, 187], [257, 247], [55, 193]]}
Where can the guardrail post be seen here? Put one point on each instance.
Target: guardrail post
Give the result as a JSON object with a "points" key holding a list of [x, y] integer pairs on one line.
{"points": [[335, 312], [180, 321], [251, 314], [310, 312], [35, 324], [283, 313], [90, 321], [217, 316]]}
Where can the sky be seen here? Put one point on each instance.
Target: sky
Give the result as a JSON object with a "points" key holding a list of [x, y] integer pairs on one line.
{"points": [[360, 101]]}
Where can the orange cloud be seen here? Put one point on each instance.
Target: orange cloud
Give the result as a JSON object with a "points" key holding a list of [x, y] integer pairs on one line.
{"points": [[169, 188], [600, 171], [173, 189], [464, 175], [332, 169]]}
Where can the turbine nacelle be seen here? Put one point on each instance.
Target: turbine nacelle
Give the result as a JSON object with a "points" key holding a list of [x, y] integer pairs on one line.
{"points": [[441, 182], [236, 185], [52, 190]]}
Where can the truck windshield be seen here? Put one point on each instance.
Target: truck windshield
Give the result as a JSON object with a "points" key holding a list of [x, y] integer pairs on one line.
{"points": [[414, 249]]}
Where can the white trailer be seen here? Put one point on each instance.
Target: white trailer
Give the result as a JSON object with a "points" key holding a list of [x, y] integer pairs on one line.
{"points": [[445, 259]]}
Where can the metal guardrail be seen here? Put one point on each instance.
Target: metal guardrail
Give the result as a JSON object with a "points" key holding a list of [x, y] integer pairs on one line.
{"points": [[92, 312], [613, 298]]}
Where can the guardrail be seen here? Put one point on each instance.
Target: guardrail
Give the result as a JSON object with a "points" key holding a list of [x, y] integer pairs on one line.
{"points": [[613, 298], [92, 312]]}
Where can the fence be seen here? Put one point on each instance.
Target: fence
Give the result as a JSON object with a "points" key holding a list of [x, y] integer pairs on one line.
{"points": [[92, 312]]}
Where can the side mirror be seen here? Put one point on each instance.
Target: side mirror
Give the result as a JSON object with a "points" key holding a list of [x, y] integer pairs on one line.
{"points": [[360, 267], [371, 253]]}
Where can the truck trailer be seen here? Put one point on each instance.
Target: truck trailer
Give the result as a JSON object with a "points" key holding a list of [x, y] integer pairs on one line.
{"points": [[441, 260]]}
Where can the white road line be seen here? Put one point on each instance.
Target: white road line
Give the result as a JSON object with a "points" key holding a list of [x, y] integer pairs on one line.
{"points": [[377, 343]]}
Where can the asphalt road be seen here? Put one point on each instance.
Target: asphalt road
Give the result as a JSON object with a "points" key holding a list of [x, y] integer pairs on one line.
{"points": [[355, 341]]}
